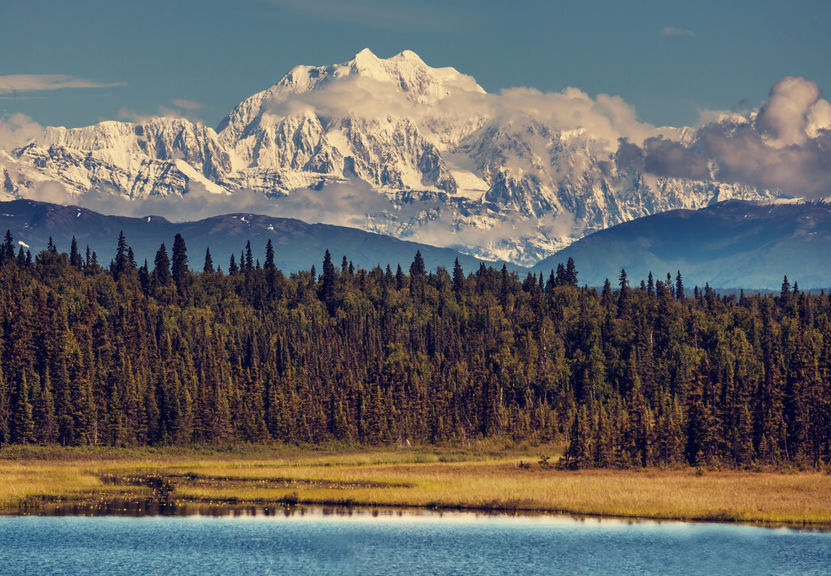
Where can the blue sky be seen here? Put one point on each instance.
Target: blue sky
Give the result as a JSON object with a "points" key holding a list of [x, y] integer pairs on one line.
{"points": [[106, 59]]}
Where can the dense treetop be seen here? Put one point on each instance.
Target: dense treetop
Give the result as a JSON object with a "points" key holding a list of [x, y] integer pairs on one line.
{"points": [[631, 375]]}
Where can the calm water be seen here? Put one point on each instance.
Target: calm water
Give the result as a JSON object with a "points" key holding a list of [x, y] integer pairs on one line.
{"points": [[360, 544]]}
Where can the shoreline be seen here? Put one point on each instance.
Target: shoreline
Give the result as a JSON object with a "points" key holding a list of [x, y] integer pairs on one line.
{"points": [[481, 480], [185, 509]]}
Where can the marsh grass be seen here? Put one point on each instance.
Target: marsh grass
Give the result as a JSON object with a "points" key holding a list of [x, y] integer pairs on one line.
{"points": [[477, 477]]}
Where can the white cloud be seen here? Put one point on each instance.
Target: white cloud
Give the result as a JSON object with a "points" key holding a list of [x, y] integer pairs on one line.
{"points": [[17, 130], [783, 119], [186, 104], [604, 117], [17, 83], [130, 115], [819, 118], [782, 147], [669, 31]]}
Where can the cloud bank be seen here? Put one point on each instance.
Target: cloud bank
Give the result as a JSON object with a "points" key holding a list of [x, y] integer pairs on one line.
{"points": [[20, 83], [605, 118], [16, 130], [785, 146]]}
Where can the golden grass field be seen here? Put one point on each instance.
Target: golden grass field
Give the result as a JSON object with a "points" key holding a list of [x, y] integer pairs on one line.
{"points": [[478, 478]]}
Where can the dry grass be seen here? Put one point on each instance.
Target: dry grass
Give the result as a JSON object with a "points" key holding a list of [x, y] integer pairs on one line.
{"points": [[478, 478]]}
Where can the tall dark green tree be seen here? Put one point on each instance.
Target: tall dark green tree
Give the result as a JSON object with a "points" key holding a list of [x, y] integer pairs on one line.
{"points": [[328, 283], [679, 287], [249, 257], [208, 266], [179, 265], [161, 270], [75, 256], [269, 256], [7, 249], [571, 272]]}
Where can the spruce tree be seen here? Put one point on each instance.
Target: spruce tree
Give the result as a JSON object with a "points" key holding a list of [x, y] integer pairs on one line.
{"points": [[417, 267], [269, 255], [328, 281], [249, 257], [179, 265], [208, 267], [571, 272], [161, 270], [22, 421], [120, 264], [74, 255], [7, 250], [679, 287], [458, 277]]}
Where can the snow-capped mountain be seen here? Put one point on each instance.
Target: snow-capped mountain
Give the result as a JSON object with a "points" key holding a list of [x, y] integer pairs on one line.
{"points": [[408, 150]]}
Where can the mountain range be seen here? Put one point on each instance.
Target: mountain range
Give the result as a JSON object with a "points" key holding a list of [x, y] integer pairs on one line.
{"points": [[731, 244], [297, 245], [392, 146]]}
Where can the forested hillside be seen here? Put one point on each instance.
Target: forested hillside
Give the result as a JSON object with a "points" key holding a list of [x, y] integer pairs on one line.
{"points": [[644, 375]]}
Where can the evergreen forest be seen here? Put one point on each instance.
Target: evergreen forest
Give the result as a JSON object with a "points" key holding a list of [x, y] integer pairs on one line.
{"points": [[645, 372]]}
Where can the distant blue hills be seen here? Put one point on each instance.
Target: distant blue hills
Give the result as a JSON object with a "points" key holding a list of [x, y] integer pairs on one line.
{"points": [[731, 244], [297, 245]]}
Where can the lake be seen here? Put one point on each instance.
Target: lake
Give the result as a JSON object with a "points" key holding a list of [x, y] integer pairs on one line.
{"points": [[396, 543]]}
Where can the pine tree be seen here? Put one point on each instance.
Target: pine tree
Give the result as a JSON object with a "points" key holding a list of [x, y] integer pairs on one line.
{"points": [[561, 277], [679, 287], [249, 257], [161, 270], [208, 267], [121, 264], [458, 278], [571, 272], [7, 249], [328, 283], [75, 256], [417, 278], [417, 267], [785, 293], [269, 255], [623, 294], [43, 411], [179, 265], [22, 421], [5, 411], [145, 278]]}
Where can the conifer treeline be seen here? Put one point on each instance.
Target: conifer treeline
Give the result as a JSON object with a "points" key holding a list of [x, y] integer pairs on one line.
{"points": [[631, 376]]}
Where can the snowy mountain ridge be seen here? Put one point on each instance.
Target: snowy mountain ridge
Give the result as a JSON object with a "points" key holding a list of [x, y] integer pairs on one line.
{"points": [[391, 146]]}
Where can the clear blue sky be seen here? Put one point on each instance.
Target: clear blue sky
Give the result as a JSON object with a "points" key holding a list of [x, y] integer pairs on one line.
{"points": [[667, 58]]}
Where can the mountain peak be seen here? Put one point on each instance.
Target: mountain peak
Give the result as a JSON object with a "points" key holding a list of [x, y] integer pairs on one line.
{"points": [[408, 56], [406, 71], [366, 55]]}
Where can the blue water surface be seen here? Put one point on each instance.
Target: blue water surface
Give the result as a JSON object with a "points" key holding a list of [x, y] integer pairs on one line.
{"points": [[364, 544]]}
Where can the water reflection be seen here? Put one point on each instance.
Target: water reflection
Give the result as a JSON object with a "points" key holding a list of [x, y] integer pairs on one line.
{"points": [[357, 541]]}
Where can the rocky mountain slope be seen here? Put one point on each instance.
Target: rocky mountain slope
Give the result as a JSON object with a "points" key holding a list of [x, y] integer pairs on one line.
{"points": [[399, 147]]}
